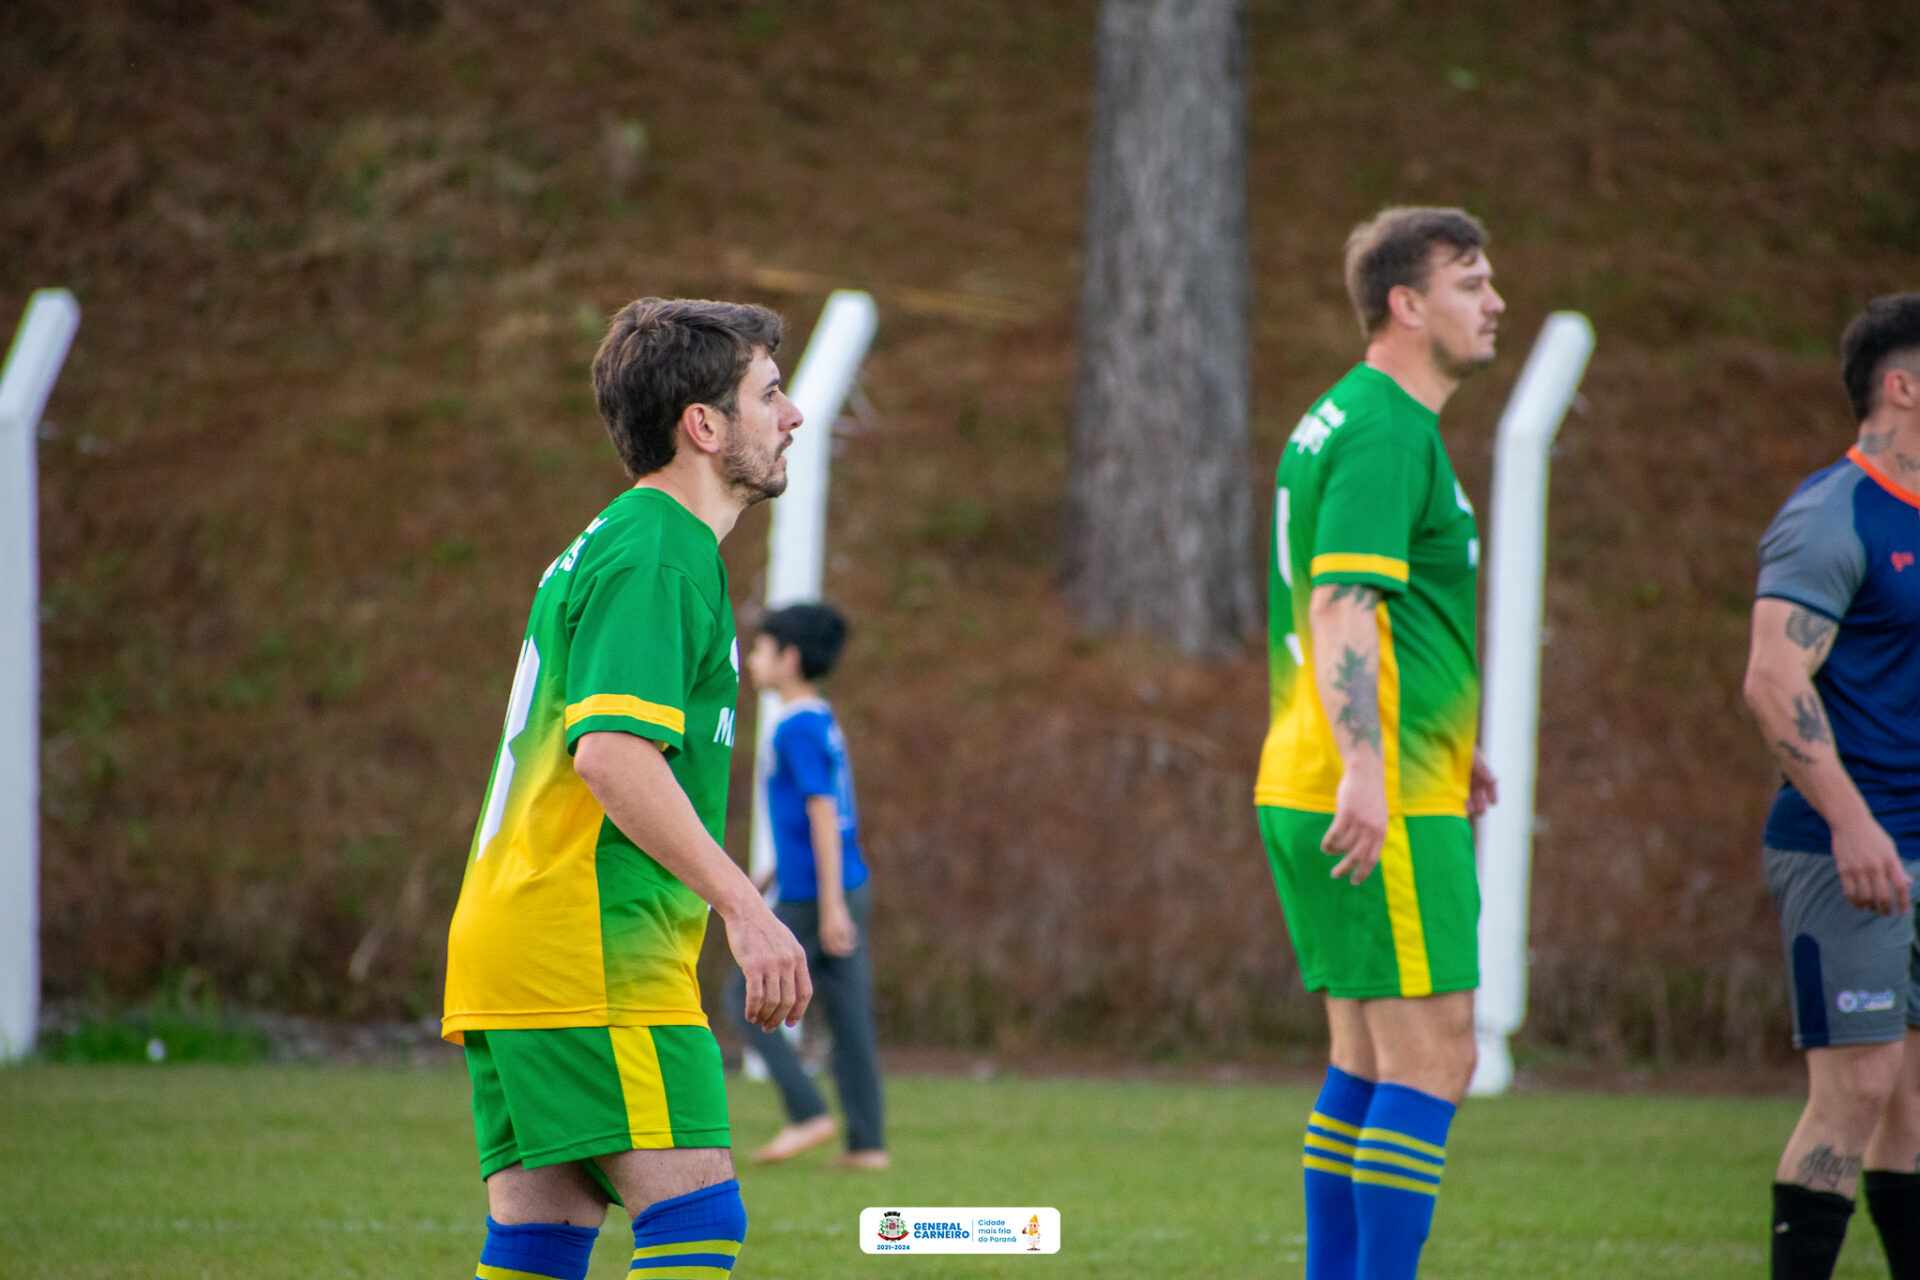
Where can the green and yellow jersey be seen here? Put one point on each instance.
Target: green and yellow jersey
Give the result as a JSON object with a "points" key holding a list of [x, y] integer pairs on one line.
{"points": [[1366, 495], [562, 920]]}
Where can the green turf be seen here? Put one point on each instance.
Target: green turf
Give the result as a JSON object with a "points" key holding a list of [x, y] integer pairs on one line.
{"points": [[230, 1172]]}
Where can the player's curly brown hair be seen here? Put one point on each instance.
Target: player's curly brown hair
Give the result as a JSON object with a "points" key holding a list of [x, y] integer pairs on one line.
{"points": [[1395, 247], [660, 356]]}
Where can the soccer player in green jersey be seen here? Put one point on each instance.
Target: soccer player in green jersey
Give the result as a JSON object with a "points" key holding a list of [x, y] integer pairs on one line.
{"points": [[1369, 773], [570, 963]]}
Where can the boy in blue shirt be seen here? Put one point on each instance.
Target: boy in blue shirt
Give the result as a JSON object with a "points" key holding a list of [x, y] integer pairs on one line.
{"points": [[824, 897]]}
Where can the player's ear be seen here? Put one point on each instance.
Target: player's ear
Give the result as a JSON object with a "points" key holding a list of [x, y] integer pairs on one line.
{"points": [[1901, 388], [703, 427], [1408, 305]]}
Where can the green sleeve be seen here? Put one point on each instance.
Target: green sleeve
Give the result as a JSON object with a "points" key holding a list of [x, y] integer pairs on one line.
{"points": [[637, 635], [1368, 506]]}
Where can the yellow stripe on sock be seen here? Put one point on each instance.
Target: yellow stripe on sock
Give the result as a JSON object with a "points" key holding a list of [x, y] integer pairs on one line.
{"points": [[1379, 1155], [681, 1273], [648, 1124], [1330, 1145], [1374, 1177], [485, 1272], [1338, 1126], [729, 1247], [1399, 1139], [1338, 1170]]}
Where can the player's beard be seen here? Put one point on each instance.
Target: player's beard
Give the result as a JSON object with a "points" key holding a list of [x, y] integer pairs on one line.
{"points": [[754, 475], [1455, 365]]}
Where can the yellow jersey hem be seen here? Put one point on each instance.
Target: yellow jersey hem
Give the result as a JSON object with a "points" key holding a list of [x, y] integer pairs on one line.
{"points": [[1272, 798], [453, 1026]]}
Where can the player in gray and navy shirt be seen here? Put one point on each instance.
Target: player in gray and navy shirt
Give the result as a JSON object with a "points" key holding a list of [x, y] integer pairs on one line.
{"points": [[1834, 680]]}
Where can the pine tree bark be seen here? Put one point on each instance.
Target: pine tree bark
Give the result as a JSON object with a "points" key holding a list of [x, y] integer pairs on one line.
{"points": [[1157, 532]]}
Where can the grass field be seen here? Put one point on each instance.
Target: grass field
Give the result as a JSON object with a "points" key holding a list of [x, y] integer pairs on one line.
{"points": [[221, 1173]]}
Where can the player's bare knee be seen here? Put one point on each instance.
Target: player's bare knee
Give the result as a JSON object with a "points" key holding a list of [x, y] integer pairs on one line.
{"points": [[1853, 1086]]}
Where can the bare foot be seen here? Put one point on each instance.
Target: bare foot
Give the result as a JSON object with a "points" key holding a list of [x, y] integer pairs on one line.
{"points": [[871, 1158], [795, 1138]]}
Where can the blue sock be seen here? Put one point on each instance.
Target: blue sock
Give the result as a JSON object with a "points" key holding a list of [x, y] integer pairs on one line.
{"points": [[1333, 1232], [549, 1250], [692, 1237], [1396, 1177]]}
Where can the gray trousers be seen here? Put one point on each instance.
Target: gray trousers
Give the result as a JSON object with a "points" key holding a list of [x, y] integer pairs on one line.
{"points": [[843, 990]]}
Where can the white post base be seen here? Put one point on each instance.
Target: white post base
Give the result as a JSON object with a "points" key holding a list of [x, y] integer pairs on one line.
{"points": [[1493, 1072]]}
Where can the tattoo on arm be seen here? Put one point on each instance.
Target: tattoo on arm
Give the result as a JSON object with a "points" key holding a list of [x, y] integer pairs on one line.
{"points": [[1824, 1169], [1358, 592], [1811, 631], [1788, 751], [1357, 683], [1810, 720]]}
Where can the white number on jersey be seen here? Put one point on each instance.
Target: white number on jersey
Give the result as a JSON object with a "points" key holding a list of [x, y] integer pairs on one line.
{"points": [[518, 707]]}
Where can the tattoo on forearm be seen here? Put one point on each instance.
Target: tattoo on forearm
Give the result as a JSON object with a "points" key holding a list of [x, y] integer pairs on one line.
{"points": [[1810, 631], [1824, 1169], [1790, 752], [1358, 592], [1810, 720], [1356, 682], [1875, 442]]}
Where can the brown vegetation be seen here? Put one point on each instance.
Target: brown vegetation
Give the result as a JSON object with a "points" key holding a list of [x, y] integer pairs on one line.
{"points": [[343, 265]]}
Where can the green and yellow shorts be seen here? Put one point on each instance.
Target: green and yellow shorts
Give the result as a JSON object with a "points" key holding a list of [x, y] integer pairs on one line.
{"points": [[548, 1095], [1409, 929]]}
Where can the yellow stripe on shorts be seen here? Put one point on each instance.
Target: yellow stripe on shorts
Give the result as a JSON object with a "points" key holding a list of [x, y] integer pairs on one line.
{"points": [[648, 1124], [1396, 855]]}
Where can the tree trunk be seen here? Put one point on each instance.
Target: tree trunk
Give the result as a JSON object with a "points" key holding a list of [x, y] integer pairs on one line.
{"points": [[1157, 532]]}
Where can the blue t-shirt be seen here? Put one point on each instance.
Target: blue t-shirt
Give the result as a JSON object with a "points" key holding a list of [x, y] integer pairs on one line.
{"points": [[810, 759], [1844, 546]]}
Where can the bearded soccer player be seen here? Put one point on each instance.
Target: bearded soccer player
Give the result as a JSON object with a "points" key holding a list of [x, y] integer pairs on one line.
{"points": [[1369, 773], [570, 965], [1833, 677]]}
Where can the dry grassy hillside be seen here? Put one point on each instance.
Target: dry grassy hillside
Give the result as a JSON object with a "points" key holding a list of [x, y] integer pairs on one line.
{"points": [[344, 264]]}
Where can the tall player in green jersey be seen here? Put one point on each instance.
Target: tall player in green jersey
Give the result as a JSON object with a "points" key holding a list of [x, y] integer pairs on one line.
{"points": [[570, 964], [1369, 774]]}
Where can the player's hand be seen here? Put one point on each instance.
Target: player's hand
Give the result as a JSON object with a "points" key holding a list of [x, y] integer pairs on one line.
{"points": [[1483, 789], [1359, 827], [774, 965], [838, 934], [1870, 871]]}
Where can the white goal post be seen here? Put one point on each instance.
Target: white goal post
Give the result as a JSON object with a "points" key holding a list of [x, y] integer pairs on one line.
{"points": [[39, 349], [1510, 712], [797, 536]]}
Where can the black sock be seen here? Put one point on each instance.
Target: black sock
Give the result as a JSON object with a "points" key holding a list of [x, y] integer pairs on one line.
{"points": [[1893, 1200], [1808, 1229]]}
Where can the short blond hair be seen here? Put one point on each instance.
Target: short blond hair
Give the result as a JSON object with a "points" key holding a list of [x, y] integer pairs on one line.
{"points": [[1395, 247]]}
